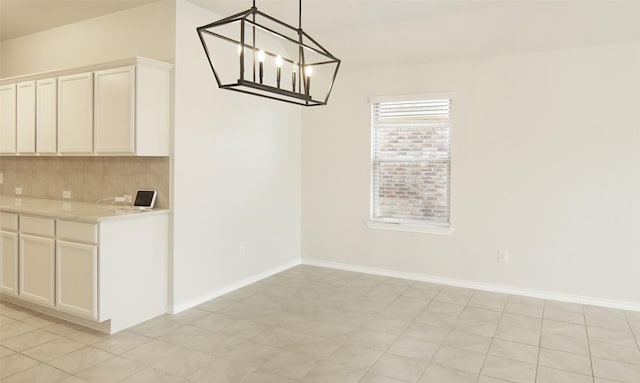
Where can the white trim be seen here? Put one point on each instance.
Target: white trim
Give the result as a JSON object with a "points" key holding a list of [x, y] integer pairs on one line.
{"points": [[175, 309], [542, 294], [408, 227], [413, 97]]}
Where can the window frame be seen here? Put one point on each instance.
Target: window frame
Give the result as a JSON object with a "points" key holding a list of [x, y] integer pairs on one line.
{"points": [[400, 224]]}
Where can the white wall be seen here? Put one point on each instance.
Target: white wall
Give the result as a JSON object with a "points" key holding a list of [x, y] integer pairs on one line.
{"points": [[546, 149], [147, 31], [237, 176]]}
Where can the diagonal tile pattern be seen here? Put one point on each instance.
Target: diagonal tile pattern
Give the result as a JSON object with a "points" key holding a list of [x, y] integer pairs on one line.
{"points": [[310, 324]]}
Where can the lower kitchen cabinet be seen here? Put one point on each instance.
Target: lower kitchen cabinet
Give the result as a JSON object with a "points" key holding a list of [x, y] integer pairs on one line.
{"points": [[37, 269], [9, 263], [77, 278], [106, 273]]}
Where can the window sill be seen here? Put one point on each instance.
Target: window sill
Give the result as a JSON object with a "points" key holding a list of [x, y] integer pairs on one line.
{"points": [[411, 228]]}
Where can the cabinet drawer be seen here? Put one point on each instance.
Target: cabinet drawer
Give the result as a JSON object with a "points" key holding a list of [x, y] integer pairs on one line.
{"points": [[37, 226], [78, 231], [9, 221]]}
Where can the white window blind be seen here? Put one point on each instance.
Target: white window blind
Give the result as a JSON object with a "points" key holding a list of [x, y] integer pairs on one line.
{"points": [[411, 161]]}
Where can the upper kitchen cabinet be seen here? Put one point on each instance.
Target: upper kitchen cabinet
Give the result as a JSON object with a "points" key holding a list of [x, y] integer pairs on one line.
{"points": [[46, 115], [8, 118], [75, 114], [26, 117], [131, 109]]}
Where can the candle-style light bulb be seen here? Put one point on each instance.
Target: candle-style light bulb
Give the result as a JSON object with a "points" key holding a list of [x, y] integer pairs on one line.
{"points": [[260, 64], [239, 49], [294, 69], [278, 70], [308, 71]]}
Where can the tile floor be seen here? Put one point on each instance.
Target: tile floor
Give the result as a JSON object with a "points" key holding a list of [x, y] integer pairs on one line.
{"points": [[310, 324]]}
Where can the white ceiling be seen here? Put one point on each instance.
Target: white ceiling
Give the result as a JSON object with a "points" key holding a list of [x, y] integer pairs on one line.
{"points": [[371, 33]]}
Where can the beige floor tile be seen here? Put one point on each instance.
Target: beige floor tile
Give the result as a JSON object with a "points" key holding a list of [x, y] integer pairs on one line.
{"points": [[225, 324], [334, 373], [393, 326], [458, 359], [252, 352], [264, 377], [5, 352], [560, 315], [318, 348], [14, 329], [223, 371], [15, 363], [605, 335], [566, 361], [444, 308], [520, 321], [622, 372], [519, 335], [198, 339], [509, 370], [121, 342], [467, 341], [54, 349], [399, 367], [373, 339], [565, 306], [150, 375], [73, 379], [4, 320], [550, 375], [440, 374], [453, 297], [187, 316], [215, 305], [488, 379], [524, 309], [290, 365], [413, 348], [28, 340], [156, 327], [435, 319], [80, 359], [169, 358], [111, 370], [426, 333], [564, 328], [376, 378], [565, 343], [516, 351], [487, 304], [40, 321], [39, 374], [355, 357], [614, 352]]}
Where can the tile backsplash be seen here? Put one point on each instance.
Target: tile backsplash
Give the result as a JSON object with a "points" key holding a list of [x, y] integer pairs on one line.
{"points": [[88, 178]]}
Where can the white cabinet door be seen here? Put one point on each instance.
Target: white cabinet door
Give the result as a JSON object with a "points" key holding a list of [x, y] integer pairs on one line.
{"points": [[37, 269], [75, 113], [26, 117], [9, 262], [114, 108], [77, 278], [8, 118], [46, 115]]}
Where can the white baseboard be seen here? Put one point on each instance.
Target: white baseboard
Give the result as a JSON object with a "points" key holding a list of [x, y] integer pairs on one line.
{"points": [[554, 296], [174, 309]]}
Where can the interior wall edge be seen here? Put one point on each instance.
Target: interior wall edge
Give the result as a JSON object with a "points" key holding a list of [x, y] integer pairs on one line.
{"points": [[542, 294]]}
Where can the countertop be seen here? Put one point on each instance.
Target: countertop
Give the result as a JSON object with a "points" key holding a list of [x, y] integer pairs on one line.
{"points": [[74, 210]]}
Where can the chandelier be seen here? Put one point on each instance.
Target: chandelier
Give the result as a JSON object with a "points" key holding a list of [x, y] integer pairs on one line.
{"points": [[252, 52]]}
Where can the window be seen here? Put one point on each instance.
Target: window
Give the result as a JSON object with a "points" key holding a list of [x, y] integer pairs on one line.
{"points": [[410, 162]]}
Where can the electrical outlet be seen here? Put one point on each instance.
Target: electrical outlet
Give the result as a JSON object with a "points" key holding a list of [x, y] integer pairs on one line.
{"points": [[18, 190], [503, 256], [242, 251], [1, 178], [66, 194], [127, 198]]}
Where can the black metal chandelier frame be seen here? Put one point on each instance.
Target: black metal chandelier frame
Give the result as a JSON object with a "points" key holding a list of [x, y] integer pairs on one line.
{"points": [[254, 84]]}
